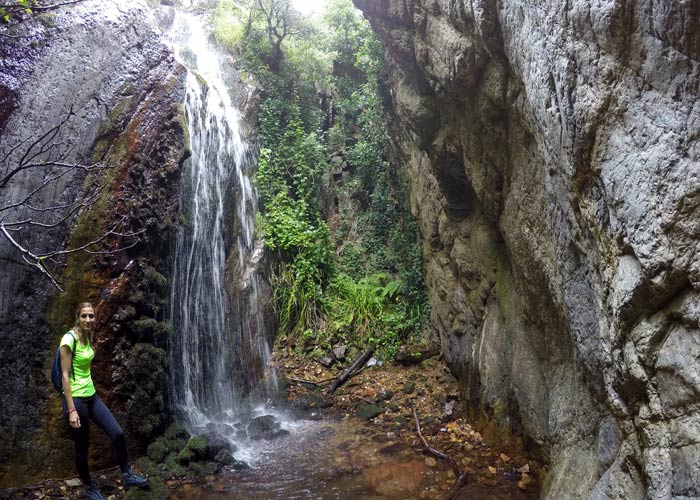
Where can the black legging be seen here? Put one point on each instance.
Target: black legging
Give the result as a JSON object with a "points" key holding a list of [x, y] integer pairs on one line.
{"points": [[93, 408]]}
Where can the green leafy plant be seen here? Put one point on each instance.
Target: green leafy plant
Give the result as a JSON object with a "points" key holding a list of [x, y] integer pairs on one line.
{"points": [[349, 272]]}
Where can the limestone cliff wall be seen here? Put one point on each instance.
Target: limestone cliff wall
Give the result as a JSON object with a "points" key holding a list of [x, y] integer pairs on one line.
{"points": [[553, 149], [107, 62]]}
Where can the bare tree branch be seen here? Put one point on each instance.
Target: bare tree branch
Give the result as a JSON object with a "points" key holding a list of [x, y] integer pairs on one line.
{"points": [[461, 475], [30, 8], [30, 258], [24, 218], [25, 200]]}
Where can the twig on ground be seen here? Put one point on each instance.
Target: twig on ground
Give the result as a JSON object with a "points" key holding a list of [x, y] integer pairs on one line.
{"points": [[310, 382], [462, 476]]}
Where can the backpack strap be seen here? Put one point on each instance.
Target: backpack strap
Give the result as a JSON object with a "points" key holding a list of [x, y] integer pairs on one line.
{"points": [[72, 355]]}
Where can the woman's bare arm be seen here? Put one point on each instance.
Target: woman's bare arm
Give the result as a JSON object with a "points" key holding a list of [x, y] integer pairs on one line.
{"points": [[66, 361]]}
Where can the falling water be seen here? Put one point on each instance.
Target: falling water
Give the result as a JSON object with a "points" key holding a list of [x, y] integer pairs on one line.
{"points": [[218, 353]]}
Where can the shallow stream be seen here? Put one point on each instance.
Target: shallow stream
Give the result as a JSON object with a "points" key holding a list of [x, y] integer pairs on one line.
{"points": [[323, 460], [343, 460]]}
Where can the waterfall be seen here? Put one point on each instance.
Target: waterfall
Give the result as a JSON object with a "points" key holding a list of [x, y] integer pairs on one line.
{"points": [[219, 355]]}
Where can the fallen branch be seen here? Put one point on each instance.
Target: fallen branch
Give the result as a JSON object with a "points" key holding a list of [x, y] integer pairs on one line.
{"points": [[462, 476], [310, 382], [347, 374]]}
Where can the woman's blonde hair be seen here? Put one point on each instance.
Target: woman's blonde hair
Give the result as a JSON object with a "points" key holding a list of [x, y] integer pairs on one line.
{"points": [[82, 306]]}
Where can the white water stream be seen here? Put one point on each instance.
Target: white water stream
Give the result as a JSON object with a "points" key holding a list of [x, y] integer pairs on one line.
{"points": [[219, 356]]}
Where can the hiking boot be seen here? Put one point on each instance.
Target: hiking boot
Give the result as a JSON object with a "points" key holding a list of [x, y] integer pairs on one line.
{"points": [[130, 478], [93, 493]]}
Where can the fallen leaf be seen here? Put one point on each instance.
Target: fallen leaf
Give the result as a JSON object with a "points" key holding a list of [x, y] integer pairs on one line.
{"points": [[492, 470], [525, 478], [430, 462], [504, 457]]}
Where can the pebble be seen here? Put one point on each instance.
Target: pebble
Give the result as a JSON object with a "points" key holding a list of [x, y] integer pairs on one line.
{"points": [[72, 483]]}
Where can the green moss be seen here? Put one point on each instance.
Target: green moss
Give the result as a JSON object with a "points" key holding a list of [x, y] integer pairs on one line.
{"points": [[177, 444], [157, 490], [158, 450], [198, 445], [204, 469], [109, 127], [171, 467], [48, 19], [185, 456], [150, 330], [146, 466], [176, 430], [145, 384], [79, 279], [202, 82], [154, 280]]}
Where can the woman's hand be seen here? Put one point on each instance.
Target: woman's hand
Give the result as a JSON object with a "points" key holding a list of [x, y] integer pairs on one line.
{"points": [[74, 419]]}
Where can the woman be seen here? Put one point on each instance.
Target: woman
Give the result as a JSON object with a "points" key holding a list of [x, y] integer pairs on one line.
{"points": [[81, 403]]}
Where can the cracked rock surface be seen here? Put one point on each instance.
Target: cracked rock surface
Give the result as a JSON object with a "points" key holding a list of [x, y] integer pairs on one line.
{"points": [[554, 160]]}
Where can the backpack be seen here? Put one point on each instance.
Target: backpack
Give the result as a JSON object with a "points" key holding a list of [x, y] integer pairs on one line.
{"points": [[56, 375]]}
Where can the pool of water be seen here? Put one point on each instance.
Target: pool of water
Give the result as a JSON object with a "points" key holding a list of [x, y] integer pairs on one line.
{"points": [[326, 460]]}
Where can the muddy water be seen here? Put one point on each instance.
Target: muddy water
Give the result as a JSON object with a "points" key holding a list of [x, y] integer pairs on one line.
{"points": [[327, 460]]}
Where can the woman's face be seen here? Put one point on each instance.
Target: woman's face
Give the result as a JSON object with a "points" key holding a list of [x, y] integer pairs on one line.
{"points": [[86, 318]]}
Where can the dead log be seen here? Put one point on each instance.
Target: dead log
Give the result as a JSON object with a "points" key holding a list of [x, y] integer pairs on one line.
{"points": [[347, 374], [461, 475]]}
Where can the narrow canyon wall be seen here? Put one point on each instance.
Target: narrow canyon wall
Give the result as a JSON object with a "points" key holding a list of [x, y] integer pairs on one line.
{"points": [[553, 149], [105, 61]]}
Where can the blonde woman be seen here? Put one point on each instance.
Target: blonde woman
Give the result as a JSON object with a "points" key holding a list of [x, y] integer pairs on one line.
{"points": [[82, 404]]}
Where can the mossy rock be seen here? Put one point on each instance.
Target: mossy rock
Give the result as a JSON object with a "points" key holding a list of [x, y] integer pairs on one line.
{"points": [[177, 430], [429, 363], [185, 456], [158, 450], [154, 279], [198, 445], [146, 466], [171, 468], [177, 444], [367, 411], [197, 448], [147, 369], [204, 468], [225, 457], [156, 490]]}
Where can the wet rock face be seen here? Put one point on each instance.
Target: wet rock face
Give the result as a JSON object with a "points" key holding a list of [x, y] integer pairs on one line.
{"points": [[555, 174], [107, 62]]}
